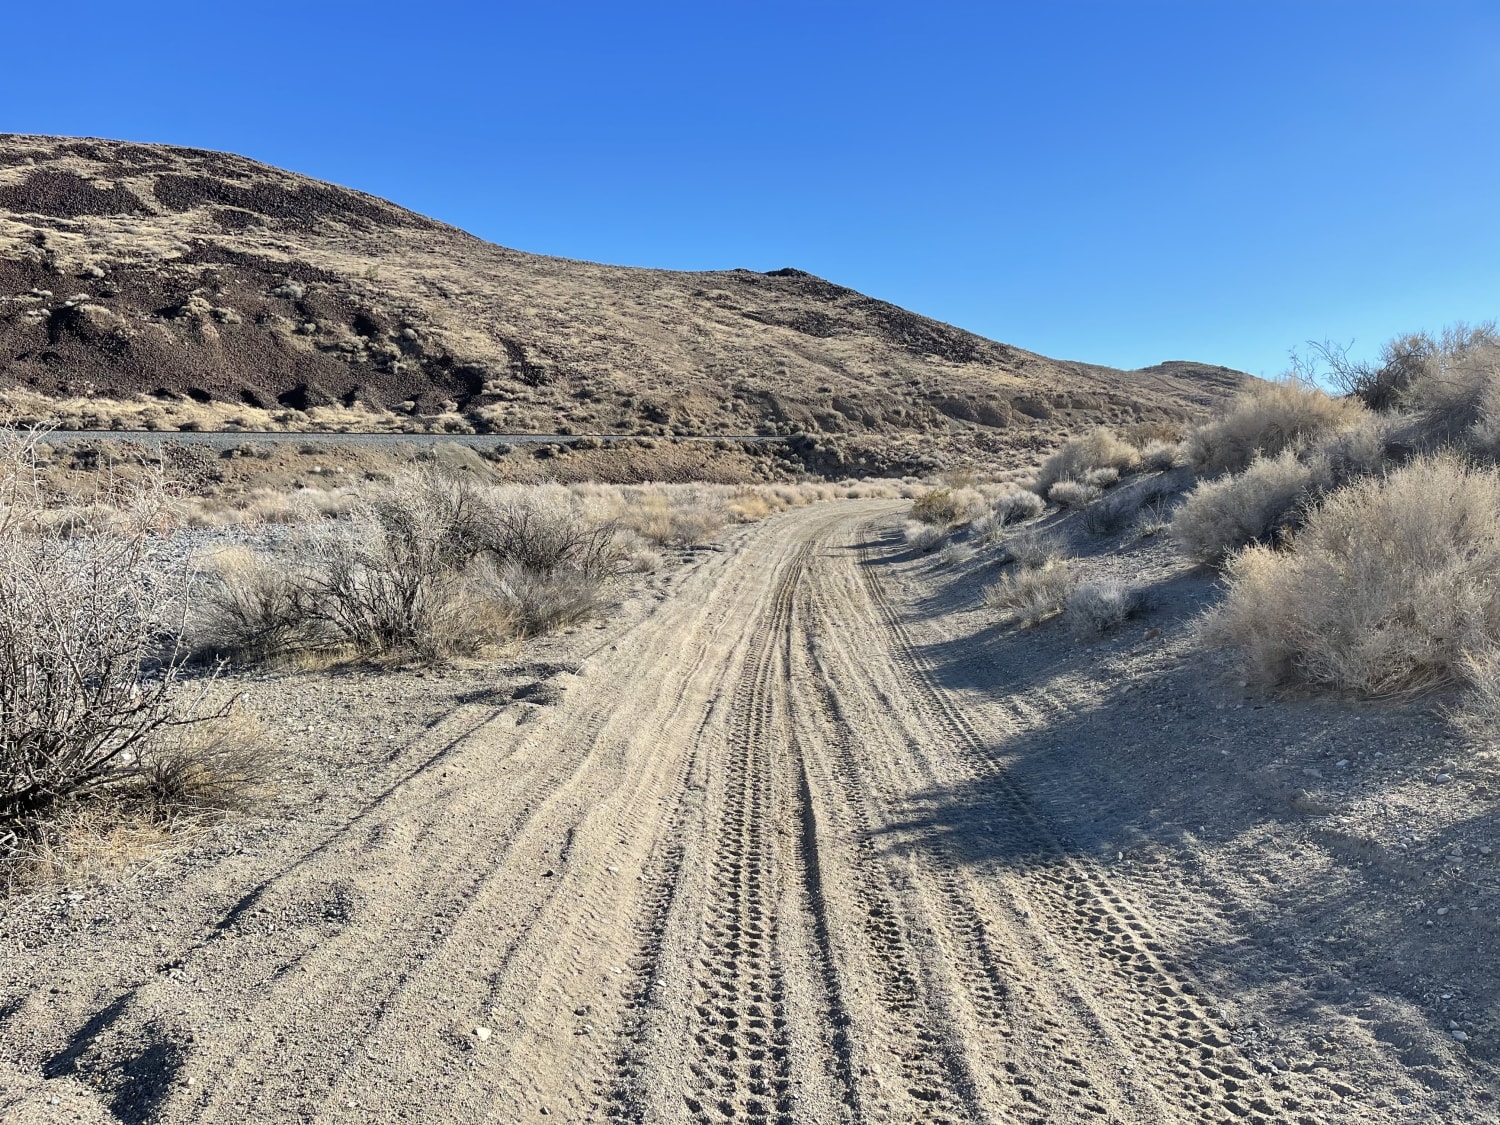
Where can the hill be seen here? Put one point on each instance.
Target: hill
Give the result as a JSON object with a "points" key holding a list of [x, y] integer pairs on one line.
{"points": [[146, 285]]}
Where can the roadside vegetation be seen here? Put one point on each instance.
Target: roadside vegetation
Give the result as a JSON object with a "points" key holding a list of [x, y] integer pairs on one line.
{"points": [[126, 613], [1357, 533]]}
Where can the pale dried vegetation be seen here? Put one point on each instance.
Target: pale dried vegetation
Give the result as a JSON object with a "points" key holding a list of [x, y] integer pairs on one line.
{"points": [[1389, 587], [116, 722], [1031, 594], [94, 706], [1265, 419], [1360, 537], [1098, 608]]}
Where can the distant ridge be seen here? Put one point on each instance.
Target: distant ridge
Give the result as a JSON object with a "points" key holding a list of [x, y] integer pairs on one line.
{"points": [[198, 277]]}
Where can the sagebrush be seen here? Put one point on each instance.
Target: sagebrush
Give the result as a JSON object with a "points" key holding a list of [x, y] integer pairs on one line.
{"points": [[1387, 589]]}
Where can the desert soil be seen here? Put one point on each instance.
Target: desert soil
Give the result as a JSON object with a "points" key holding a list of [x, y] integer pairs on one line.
{"points": [[799, 835]]}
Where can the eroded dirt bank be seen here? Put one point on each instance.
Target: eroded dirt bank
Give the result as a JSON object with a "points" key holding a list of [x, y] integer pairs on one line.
{"points": [[775, 848]]}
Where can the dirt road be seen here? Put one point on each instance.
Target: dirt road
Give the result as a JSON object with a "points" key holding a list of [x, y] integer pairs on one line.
{"points": [[691, 890]]}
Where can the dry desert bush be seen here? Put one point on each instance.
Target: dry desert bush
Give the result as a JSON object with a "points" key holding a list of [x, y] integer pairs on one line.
{"points": [[1255, 506], [93, 706], [1073, 493], [426, 566], [1032, 593], [948, 506], [1097, 608], [434, 567], [1404, 361], [921, 536], [1388, 588], [1098, 451], [1014, 504], [1455, 401], [1032, 548], [1006, 506], [1265, 419]]}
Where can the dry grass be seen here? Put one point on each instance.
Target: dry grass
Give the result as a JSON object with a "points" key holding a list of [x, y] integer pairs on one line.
{"points": [[1098, 608], [1031, 593], [1033, 548], [921, 536], [948, 506], [1266, 419], [1389, 586], [1073, 493]]}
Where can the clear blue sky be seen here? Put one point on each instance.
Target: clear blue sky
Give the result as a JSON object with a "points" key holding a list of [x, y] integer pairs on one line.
{"points": [[1118, 182]]}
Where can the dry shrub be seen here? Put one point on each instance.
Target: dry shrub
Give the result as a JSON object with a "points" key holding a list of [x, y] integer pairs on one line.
{"points": [[92, 707], [546, 532], [537, 602], [1072, 493], [941, 506], [395, 579], [923, 536], [954, 554], [1111, 513], [987, 528], [1161, 455], [1456, 401], [1265, 419], [251, 608], [1390, 584], [1143, 435], [1404, 362], [427, 567], [84, 679], [1016, 504], [1220, 516], [1101, 607], [1032, 593], [1080, 456], [1033, 548]]}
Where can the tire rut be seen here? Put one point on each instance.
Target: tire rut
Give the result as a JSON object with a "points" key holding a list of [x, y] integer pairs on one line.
{"points": [[1152, 1002]]}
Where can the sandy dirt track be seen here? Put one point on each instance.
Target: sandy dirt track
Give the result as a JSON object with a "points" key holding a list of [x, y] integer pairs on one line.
{"points": [[691, 890]]}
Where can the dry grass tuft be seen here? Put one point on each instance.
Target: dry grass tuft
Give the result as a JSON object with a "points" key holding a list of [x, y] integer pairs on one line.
{"points": [[1033, 548], [947, 506], [1101, 607], [1073, 494], [1032, 593], [923, 536]]}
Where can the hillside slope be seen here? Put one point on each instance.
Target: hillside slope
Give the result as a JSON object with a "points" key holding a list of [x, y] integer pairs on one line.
{"points": [[269, 300]]}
